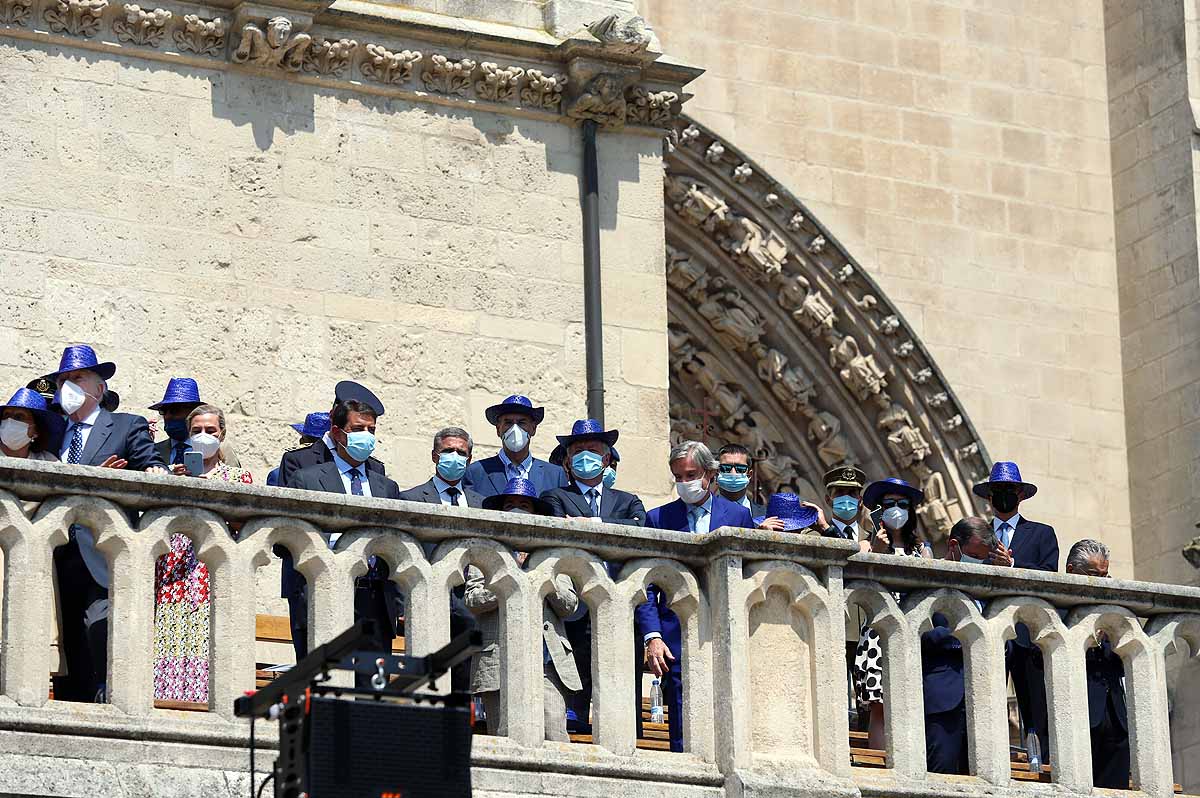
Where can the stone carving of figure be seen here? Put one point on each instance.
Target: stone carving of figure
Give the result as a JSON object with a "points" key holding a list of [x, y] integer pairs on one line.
{"points": [[731, 400], [686, 275], [763, 249], [697, 203], [825, 430], [602, 101], [809, 307], [735, 320], [906, 442], [939, 512], [276, 46], [859, 372], [628, 35], [684, 427], [790, 386]]}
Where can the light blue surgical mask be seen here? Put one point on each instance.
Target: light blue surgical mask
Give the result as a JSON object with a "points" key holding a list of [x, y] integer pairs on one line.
{"points": [[732, 482], [451, 466], [845, 508], [587, 465], [610, 477], [967, 558], [360, 445]]}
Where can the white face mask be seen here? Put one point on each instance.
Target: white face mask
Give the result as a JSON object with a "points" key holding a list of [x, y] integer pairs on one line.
{"points": [[515, 439], [14, 434], [206, 444], [692, 492], [895, 518], [71, 397]]}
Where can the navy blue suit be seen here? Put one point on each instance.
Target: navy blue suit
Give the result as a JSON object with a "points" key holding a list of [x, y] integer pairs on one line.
{"points": [[1034, 546], [488, 477], [1108, 718], [375, 596], [654, 615], [945, 699]]}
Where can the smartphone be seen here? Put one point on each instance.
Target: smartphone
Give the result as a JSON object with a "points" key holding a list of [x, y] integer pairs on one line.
{"points": [[876, 520], [193, 463]]}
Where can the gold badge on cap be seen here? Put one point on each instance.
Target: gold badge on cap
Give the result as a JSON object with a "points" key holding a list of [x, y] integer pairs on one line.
{"points": [[849, 475]]}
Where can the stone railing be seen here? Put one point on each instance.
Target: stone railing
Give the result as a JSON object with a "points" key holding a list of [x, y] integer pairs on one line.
{"points": [[762, 615]]}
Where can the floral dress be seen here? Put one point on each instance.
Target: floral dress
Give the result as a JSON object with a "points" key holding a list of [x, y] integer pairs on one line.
{"points": [[181, 614]]}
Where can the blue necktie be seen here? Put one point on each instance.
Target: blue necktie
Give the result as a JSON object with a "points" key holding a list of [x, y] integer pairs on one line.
{"points": [[1005, 533], [694, 516], [76, 450], [591, 494], [355, 482], [452, 495]]}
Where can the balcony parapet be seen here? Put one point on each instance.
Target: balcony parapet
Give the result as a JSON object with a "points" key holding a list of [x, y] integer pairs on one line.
{"points": [[746, 599]]}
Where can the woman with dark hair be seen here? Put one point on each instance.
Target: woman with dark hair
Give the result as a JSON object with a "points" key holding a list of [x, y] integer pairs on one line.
{"points": [[893, 502], [28, 428]]}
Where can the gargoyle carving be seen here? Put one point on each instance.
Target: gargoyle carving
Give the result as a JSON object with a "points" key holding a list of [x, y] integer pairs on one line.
{"points": [[629, 35], [601, 101], [280, 45]]}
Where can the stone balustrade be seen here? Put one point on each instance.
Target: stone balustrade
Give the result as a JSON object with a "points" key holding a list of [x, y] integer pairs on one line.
{"points": [[762, 616]]}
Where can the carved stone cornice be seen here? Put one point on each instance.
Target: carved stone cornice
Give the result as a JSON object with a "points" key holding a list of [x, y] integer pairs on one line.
{"points": [[781, 341], [608, 73]]}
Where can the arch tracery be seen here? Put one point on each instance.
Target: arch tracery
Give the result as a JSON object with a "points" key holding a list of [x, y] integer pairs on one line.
{"points": [[781, 341]]}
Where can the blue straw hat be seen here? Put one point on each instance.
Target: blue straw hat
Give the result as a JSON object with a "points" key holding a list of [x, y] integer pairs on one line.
{"points": [[315, 425], [518, 486], [1004, 473], [50, 425], [589, 429], [515, 404], [82, 356], [877, 490], [180, 391], [787, 507]]}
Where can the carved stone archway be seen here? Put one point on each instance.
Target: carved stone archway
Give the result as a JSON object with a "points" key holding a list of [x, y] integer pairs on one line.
{"points": [[781, 341]]}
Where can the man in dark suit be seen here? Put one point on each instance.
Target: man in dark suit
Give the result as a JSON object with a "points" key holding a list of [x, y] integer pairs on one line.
{"points": [[971, 541], [181, 397], [452, 449], [698, 511], [1107, 712], [1022, 543], [735, 475], [321, 452], [95, 437], [588, 457], [516, 421], [352, 430]]}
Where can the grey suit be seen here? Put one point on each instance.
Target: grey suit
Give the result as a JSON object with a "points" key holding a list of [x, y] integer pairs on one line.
{"points": [[561, 675]]}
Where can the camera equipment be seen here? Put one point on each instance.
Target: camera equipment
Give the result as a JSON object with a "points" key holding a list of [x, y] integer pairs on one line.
{"points": [[383, 742]]}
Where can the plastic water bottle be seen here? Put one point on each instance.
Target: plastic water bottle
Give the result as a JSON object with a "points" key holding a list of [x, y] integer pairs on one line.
{"points": [[656, 702], [1033, 747]]}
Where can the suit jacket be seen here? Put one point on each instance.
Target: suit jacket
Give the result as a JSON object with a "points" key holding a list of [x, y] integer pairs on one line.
{"points": [[326, 477], [122, 434], [941, 668], [311, 455], [562, 603], [1104, 673], [654, 615], [487, 477], [1034, 546], [228, 455], [616, 506], [427, 492]]}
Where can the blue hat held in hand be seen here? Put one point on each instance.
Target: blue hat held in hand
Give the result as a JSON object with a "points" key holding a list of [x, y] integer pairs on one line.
{"points": [[787, 508]]}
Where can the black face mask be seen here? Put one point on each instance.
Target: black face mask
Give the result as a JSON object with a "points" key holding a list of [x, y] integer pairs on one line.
{"points": [[1004, 501]]}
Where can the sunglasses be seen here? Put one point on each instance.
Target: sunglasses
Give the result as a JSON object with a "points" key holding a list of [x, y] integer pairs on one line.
{"points": [[903, 504], [730, 468]]}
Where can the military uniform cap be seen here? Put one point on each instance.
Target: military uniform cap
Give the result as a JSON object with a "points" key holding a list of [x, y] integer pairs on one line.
{"points": [[845, 476]]}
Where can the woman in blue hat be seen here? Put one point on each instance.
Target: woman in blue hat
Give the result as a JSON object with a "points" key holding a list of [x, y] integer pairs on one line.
{"points": [[28, 429], [894, 503]]}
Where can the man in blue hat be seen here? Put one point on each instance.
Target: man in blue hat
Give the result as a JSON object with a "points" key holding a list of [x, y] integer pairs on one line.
{"points": [[1021, 543], [588, 457], [292, 586], [311, 430], [352, 425], [698, 511], [95, 437], [181, 397], [516, 421]]}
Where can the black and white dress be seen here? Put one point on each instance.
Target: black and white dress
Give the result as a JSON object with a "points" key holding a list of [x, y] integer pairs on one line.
{"points": [[868, 657]]}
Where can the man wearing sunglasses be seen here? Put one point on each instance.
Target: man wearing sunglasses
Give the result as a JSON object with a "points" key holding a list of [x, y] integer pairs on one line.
{"points": [[735, 475]]}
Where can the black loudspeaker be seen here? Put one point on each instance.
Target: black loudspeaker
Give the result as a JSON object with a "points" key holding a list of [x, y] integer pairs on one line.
{"points": [[373, 749]]}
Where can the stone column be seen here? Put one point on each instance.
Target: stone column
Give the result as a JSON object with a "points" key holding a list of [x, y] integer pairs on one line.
{"points": [[1067, 708], [29, 564], [730, 642], [987, 701], [613, 672]]}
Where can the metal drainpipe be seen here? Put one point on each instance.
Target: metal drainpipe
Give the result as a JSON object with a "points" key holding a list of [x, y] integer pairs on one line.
{"points": [[593, 316]]}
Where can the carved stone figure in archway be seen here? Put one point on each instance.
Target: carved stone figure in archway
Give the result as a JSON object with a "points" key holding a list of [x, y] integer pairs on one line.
{"points": [[861, 374]]}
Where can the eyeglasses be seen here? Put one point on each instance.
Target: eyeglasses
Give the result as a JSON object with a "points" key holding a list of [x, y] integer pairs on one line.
{"points": [[903, 504], [730, 468]]}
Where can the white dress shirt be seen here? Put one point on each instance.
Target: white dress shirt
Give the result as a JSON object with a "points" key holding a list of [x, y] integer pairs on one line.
{"points": [[443, 486], [86, 425]]}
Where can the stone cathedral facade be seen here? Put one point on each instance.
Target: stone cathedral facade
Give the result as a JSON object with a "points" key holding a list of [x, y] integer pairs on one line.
{"points": [[913, 235]]}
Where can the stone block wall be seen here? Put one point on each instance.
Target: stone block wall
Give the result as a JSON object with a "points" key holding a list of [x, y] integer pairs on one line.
{"points": [[270, 238], [960, 152], [1152, 59]]}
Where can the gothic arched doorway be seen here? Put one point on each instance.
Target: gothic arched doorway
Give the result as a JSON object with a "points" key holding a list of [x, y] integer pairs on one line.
{"points": [[781, 341]]}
